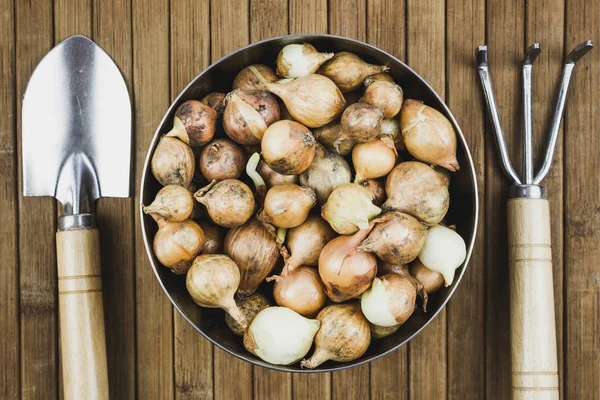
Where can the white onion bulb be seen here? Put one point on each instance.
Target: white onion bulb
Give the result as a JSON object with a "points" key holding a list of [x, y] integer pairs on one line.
{"points": [[444, 251]]}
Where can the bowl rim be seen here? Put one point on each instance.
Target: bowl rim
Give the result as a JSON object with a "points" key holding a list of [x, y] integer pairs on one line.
{"points": [[471, 169]]}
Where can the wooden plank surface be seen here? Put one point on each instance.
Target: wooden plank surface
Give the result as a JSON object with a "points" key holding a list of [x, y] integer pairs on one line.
{"points": [[160, 45]]}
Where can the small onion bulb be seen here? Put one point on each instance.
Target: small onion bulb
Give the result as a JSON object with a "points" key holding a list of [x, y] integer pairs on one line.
{"points": [[249, 307], [288, 147], [349, 208], [374, 159], [444, 251], [390, 301], [296, 60], [301, 290]]}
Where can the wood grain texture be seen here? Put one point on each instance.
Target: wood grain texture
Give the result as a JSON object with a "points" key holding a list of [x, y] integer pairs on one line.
{"points": [[9, 246], [465, 31], [426, 54], [190, 54], [582, 209], [37, 226], [111, 24], [154, 314], [505, 37], [232, 377]]}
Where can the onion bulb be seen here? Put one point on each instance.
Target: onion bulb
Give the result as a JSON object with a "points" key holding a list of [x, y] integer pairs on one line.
{"points": [[344, 335], [173, 162], [444, 251], [249, 307], [287, 205], [374, 159], [391, 127], [397, 238], [390, 301], [345, 272], [280, 336], [416, 189], [194, 123], [301, 290], [222, 159], [273, 178], [288, 147], [385, 95], [214, 236], [326, 172], [348, 70], [349, 208], [313, 100], [249, 78], [172, 203], [428, 135], [216, 101], [255, 251], [177, 243], [377, 189], [229, 203], [296, 60], [432, 281], [212, 281], [329, 134], [379, 332], [360, 123], [248, 114], [381, 76]]}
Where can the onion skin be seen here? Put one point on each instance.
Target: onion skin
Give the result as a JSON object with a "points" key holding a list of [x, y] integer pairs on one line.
{"points": [[344, 335], [348, 71], [302, 291], [248, 79], [349, 208], [214, 237], [199, 123], [360, 123], [432, 281], [212, 281], [374, 159], [376, 188], [222, 159], [296, 60], [288, 205], [172, 203], [288, 147], [416, 189], [428, 135], [173, 162], [312, 100], [248, 114], [397, 238], [255, 251], [273, 178], [249, 307], [385, 95], [176, 244], [401, 296], [345, 272], [381, 76], [230, 203], [379, 332], [329, 134], [216, 101], [326, 172]]}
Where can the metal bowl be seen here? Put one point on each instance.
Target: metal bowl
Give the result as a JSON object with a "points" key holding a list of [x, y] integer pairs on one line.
{"points": [[218, 77]]}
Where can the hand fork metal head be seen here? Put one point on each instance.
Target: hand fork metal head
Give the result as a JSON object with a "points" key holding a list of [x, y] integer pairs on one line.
{"points": [[528, 185]]}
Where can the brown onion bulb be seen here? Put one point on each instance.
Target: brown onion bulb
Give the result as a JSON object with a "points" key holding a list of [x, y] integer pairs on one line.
{"points": [[248, 78], [379, 332], [248, 114], [173, 162], [273, 178], [391, 127], [390, 301], [326, 172], [377, 189], [374, 159], [229, 203], [349, 208], [313, 100], [222, 159], [381, 76], [432, 281], [214, 237], [397, 238], [249, 307], [348, 70], [329, 134], [428, 135], [288, 205], [344, 335], [360, 123], [302, 291], [194, 123], [255, 251], [288, 147], [296, 60], [212, 281], [172, 203], [416, 189], [385, 95], [176, 244], [345, 272], [216, 101]]}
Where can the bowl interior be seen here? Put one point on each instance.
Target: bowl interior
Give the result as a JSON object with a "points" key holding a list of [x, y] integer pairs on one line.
{"points": [[218, 77]]}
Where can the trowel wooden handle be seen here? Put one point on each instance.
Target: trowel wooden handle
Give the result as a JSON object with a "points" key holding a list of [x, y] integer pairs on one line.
{"points": [[82, 337], [532, 328]]}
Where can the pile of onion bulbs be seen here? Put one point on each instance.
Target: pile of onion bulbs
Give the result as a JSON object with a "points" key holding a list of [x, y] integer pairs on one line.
{"points": [[312, 221]]}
